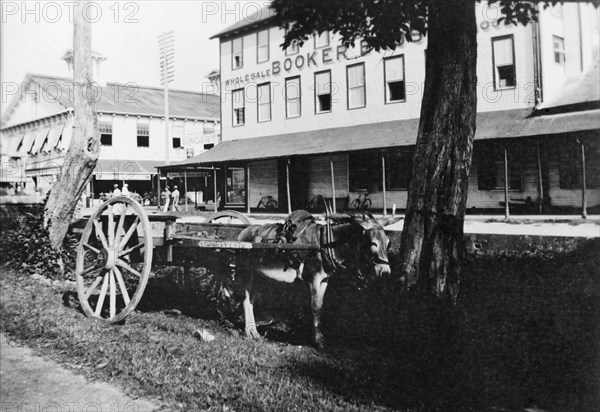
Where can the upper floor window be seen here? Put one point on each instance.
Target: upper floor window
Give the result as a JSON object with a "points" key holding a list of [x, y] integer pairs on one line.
{"points": [[503, 56], [263, 46], [105, 134], [264, 102], [293, 48], [177, 136], [143, 135], [239, 107], [559, 49], [237, 53], [323, 92], [395, 89], [292, 97], [322, 40], [356, 86]]}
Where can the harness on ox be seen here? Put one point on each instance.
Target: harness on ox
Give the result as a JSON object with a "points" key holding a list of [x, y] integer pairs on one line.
{"points": [[300, 227]]}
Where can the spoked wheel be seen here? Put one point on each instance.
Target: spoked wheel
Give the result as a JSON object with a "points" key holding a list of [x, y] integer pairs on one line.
{"points": [[114, 258], [227, 217]]}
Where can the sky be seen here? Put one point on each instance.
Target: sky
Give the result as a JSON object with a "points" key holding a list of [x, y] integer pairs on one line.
{"points": [[34, 36]]}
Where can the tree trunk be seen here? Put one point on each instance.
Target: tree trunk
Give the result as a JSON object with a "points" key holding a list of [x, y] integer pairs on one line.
{"points": [[81, 158], [432, 240]]}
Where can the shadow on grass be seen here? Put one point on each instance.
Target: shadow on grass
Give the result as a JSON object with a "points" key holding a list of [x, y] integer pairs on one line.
{"points": [[525, 333]]}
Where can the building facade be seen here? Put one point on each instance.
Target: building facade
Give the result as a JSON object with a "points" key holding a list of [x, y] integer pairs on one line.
{"points": [[331, 120], [38, 127]]}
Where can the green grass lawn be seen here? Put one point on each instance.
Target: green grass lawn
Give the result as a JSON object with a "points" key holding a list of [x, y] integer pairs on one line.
{"points": [[525, 332]]}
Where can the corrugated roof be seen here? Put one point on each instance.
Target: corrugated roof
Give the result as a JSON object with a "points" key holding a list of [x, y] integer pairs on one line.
{"points": [[258, 18], [139, 100], [490, 125]]}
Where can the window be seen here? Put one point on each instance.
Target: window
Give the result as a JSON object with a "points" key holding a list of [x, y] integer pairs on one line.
{"points": [[559, 50], [395, 90], [105, 134], [292, 48], [263, 46], [490, 169], [399, 167], [177, 136], [365, 171], [236, 185], [323, 92], [321, 40], [239, 107], [264, 102], [292, 97], [237, 53], [356, 86], [504, 62], [143, 135]]}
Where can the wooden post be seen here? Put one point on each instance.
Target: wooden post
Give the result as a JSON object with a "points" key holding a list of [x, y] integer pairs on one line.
{"points": [[287, 182], [248, 188], [383, 179], [158, 189], [506, 210], [332, 183], [541, 183], [215, 188], [185, 188], [583, 184]]}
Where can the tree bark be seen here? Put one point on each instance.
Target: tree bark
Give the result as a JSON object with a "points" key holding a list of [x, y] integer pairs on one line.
{"points": [[432, 239], [80, 159]]}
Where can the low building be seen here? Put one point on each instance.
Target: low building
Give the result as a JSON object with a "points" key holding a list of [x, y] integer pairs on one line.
{"points": [[38, 127], [328, 120]]}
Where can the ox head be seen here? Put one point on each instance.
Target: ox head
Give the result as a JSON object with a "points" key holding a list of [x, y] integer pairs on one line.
{"points": [[371, 244], [376, 245]]}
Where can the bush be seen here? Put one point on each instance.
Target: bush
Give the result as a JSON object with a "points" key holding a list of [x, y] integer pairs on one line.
{"points": [[27, 247]]}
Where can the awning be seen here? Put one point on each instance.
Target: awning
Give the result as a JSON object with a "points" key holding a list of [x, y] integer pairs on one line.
{"points": [[490, 125], [118, 169], [54, 134], [40, 138]]}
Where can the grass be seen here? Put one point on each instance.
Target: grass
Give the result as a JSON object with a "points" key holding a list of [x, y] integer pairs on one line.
{"points": [[525, 333]]}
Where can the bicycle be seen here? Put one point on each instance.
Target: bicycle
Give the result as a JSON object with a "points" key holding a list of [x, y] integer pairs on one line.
{"points": [[316, 204], [362, 203], [267, 202]]}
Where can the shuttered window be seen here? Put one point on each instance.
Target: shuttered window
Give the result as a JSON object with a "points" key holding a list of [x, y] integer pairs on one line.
{"points": [[356, 86], [263, 46], [323, 92], [504, 62], [239, 107], [395, 90], [264, 102], [292, 97]]}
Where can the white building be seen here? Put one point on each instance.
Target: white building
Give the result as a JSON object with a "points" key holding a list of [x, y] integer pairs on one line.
{"points": [[324, 107], [38, 126]]}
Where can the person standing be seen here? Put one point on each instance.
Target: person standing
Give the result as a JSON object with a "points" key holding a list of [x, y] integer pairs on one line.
{"points": [[166, 194], [116, 191], [175, 199], [125, 190]]}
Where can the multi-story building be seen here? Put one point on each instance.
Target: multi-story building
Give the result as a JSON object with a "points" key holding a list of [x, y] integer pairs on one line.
{"points": [[333, 120], [38, 126]]}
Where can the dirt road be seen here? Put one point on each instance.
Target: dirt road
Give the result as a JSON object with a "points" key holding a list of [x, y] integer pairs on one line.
{"points": [[31, 383]]}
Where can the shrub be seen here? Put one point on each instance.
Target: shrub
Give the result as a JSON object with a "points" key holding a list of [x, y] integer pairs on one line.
{"points": [[27, 247]]}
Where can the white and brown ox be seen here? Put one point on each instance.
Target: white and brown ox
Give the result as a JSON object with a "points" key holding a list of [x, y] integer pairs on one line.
{"points": [[351, 241]]}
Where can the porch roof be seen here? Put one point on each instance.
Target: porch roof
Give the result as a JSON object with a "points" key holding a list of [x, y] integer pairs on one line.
{"points": [[490, 125]]}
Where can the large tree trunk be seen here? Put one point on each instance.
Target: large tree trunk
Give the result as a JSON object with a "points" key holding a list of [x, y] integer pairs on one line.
{"points": [[81, 158], [432, 240]]}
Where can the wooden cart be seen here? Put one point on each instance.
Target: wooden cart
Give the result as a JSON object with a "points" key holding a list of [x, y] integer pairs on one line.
{"points": [[120, 242]]}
